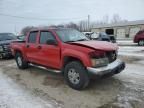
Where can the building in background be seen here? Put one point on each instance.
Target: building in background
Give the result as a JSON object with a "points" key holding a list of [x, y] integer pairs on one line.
{"points": [[125, 30]]}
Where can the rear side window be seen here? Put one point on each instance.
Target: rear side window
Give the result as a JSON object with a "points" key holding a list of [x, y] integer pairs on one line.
{"points": [[32, 37], [44, 36]]}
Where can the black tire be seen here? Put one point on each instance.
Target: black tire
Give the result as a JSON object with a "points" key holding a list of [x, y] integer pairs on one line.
{"points": [[23, 64], [81, 71], [141, 42]]}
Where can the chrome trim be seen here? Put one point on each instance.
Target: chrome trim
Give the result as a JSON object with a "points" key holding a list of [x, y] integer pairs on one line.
{"points": [[48, 69], [53, 70], [105, 69]]}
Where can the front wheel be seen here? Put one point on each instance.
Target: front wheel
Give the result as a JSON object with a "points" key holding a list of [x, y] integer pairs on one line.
{"points": [[76, 75], [141, 43], [21, 63]]}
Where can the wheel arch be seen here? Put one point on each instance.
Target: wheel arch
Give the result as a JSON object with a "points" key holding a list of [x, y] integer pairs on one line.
{"points": [[21, 52], [17, 51], [68, 59]]}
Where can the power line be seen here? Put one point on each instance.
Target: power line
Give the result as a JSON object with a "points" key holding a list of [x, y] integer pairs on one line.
{"points": [[34, 18]]}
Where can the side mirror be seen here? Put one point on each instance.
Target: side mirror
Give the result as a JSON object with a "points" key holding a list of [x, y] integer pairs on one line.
{"points": [[51, 42]]}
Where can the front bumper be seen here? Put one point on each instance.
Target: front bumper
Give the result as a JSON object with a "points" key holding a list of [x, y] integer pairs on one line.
{"points": [[113, 68], [5, 54]]}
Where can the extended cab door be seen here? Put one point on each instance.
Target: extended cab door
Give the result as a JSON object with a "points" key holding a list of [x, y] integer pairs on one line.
{"points": [[49, 54], [31, 47]]}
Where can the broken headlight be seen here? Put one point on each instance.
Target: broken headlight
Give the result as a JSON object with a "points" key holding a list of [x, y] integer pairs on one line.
{"points": [[99, 62]]}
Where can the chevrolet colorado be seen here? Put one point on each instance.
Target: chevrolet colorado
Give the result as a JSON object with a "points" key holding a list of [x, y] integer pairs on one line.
{"points": [[70, 52]]}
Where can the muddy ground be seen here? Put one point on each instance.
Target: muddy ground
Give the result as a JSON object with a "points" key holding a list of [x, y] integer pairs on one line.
{"points": [[39, 88]]}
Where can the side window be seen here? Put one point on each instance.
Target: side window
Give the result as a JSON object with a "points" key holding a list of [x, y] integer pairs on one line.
{"points": [[44, 36], [32, 37]]}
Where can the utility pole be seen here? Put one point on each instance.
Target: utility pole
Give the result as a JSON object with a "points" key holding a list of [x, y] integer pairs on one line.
{"points": [[88, 22]]}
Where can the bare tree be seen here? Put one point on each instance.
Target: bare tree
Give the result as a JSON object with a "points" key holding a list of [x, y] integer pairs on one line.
{"points": [[105, 19], [83, 26], [26, 29], [52, 26], [72, 25], [61, 25], [116, 18]]}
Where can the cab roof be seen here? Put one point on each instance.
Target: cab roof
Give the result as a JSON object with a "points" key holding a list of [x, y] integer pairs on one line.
{"points": [[48, 28]]}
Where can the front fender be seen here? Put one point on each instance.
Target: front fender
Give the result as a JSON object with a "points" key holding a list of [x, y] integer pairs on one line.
{"points": [[18, 48], [83, 57]]}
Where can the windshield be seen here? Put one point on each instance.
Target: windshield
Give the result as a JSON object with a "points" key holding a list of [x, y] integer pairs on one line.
{"points": [[7, 36], [71, 35]]}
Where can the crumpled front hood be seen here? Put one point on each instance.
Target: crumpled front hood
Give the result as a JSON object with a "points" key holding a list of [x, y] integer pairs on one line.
{"points": [[100, 45]]}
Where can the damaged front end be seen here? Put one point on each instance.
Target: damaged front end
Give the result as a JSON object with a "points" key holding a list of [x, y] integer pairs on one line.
{"points": [[105, 64]]}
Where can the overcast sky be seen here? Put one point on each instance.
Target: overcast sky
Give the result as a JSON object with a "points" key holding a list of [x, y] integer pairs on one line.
{"points": [[63, 11]]}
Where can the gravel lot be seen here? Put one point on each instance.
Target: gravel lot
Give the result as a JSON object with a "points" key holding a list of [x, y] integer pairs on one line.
{"points": [[39, 88]]}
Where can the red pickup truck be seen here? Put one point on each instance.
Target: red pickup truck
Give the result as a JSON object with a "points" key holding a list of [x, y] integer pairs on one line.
{"points": [[70, 52]]}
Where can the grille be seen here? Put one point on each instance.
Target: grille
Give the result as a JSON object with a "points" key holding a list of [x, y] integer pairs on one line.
{"points": [[111, 55], [6, 47]]}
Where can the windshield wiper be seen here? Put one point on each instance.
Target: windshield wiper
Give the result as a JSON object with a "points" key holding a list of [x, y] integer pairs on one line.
{"points": [[68, 41]]}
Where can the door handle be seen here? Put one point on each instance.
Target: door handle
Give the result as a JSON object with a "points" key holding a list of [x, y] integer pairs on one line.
{"points": [[27, 46], [39, 47]]}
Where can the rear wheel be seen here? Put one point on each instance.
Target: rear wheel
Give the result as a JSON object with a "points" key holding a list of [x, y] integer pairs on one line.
{"points": [[141, 43], [76, 75], [21, 63]]}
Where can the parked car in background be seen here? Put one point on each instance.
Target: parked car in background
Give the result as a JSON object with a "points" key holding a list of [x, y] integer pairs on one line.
{"points": [[102, 36], [69, 52], [94, 36], [113, 39], [88, 34], [139, 38], [21, 37], [5, 40]]}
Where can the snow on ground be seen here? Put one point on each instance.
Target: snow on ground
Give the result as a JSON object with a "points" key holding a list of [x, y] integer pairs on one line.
{"points": [[133, 51], [12, 96], [125, 90], [131, 55], [131, 48], [126, 43]]}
